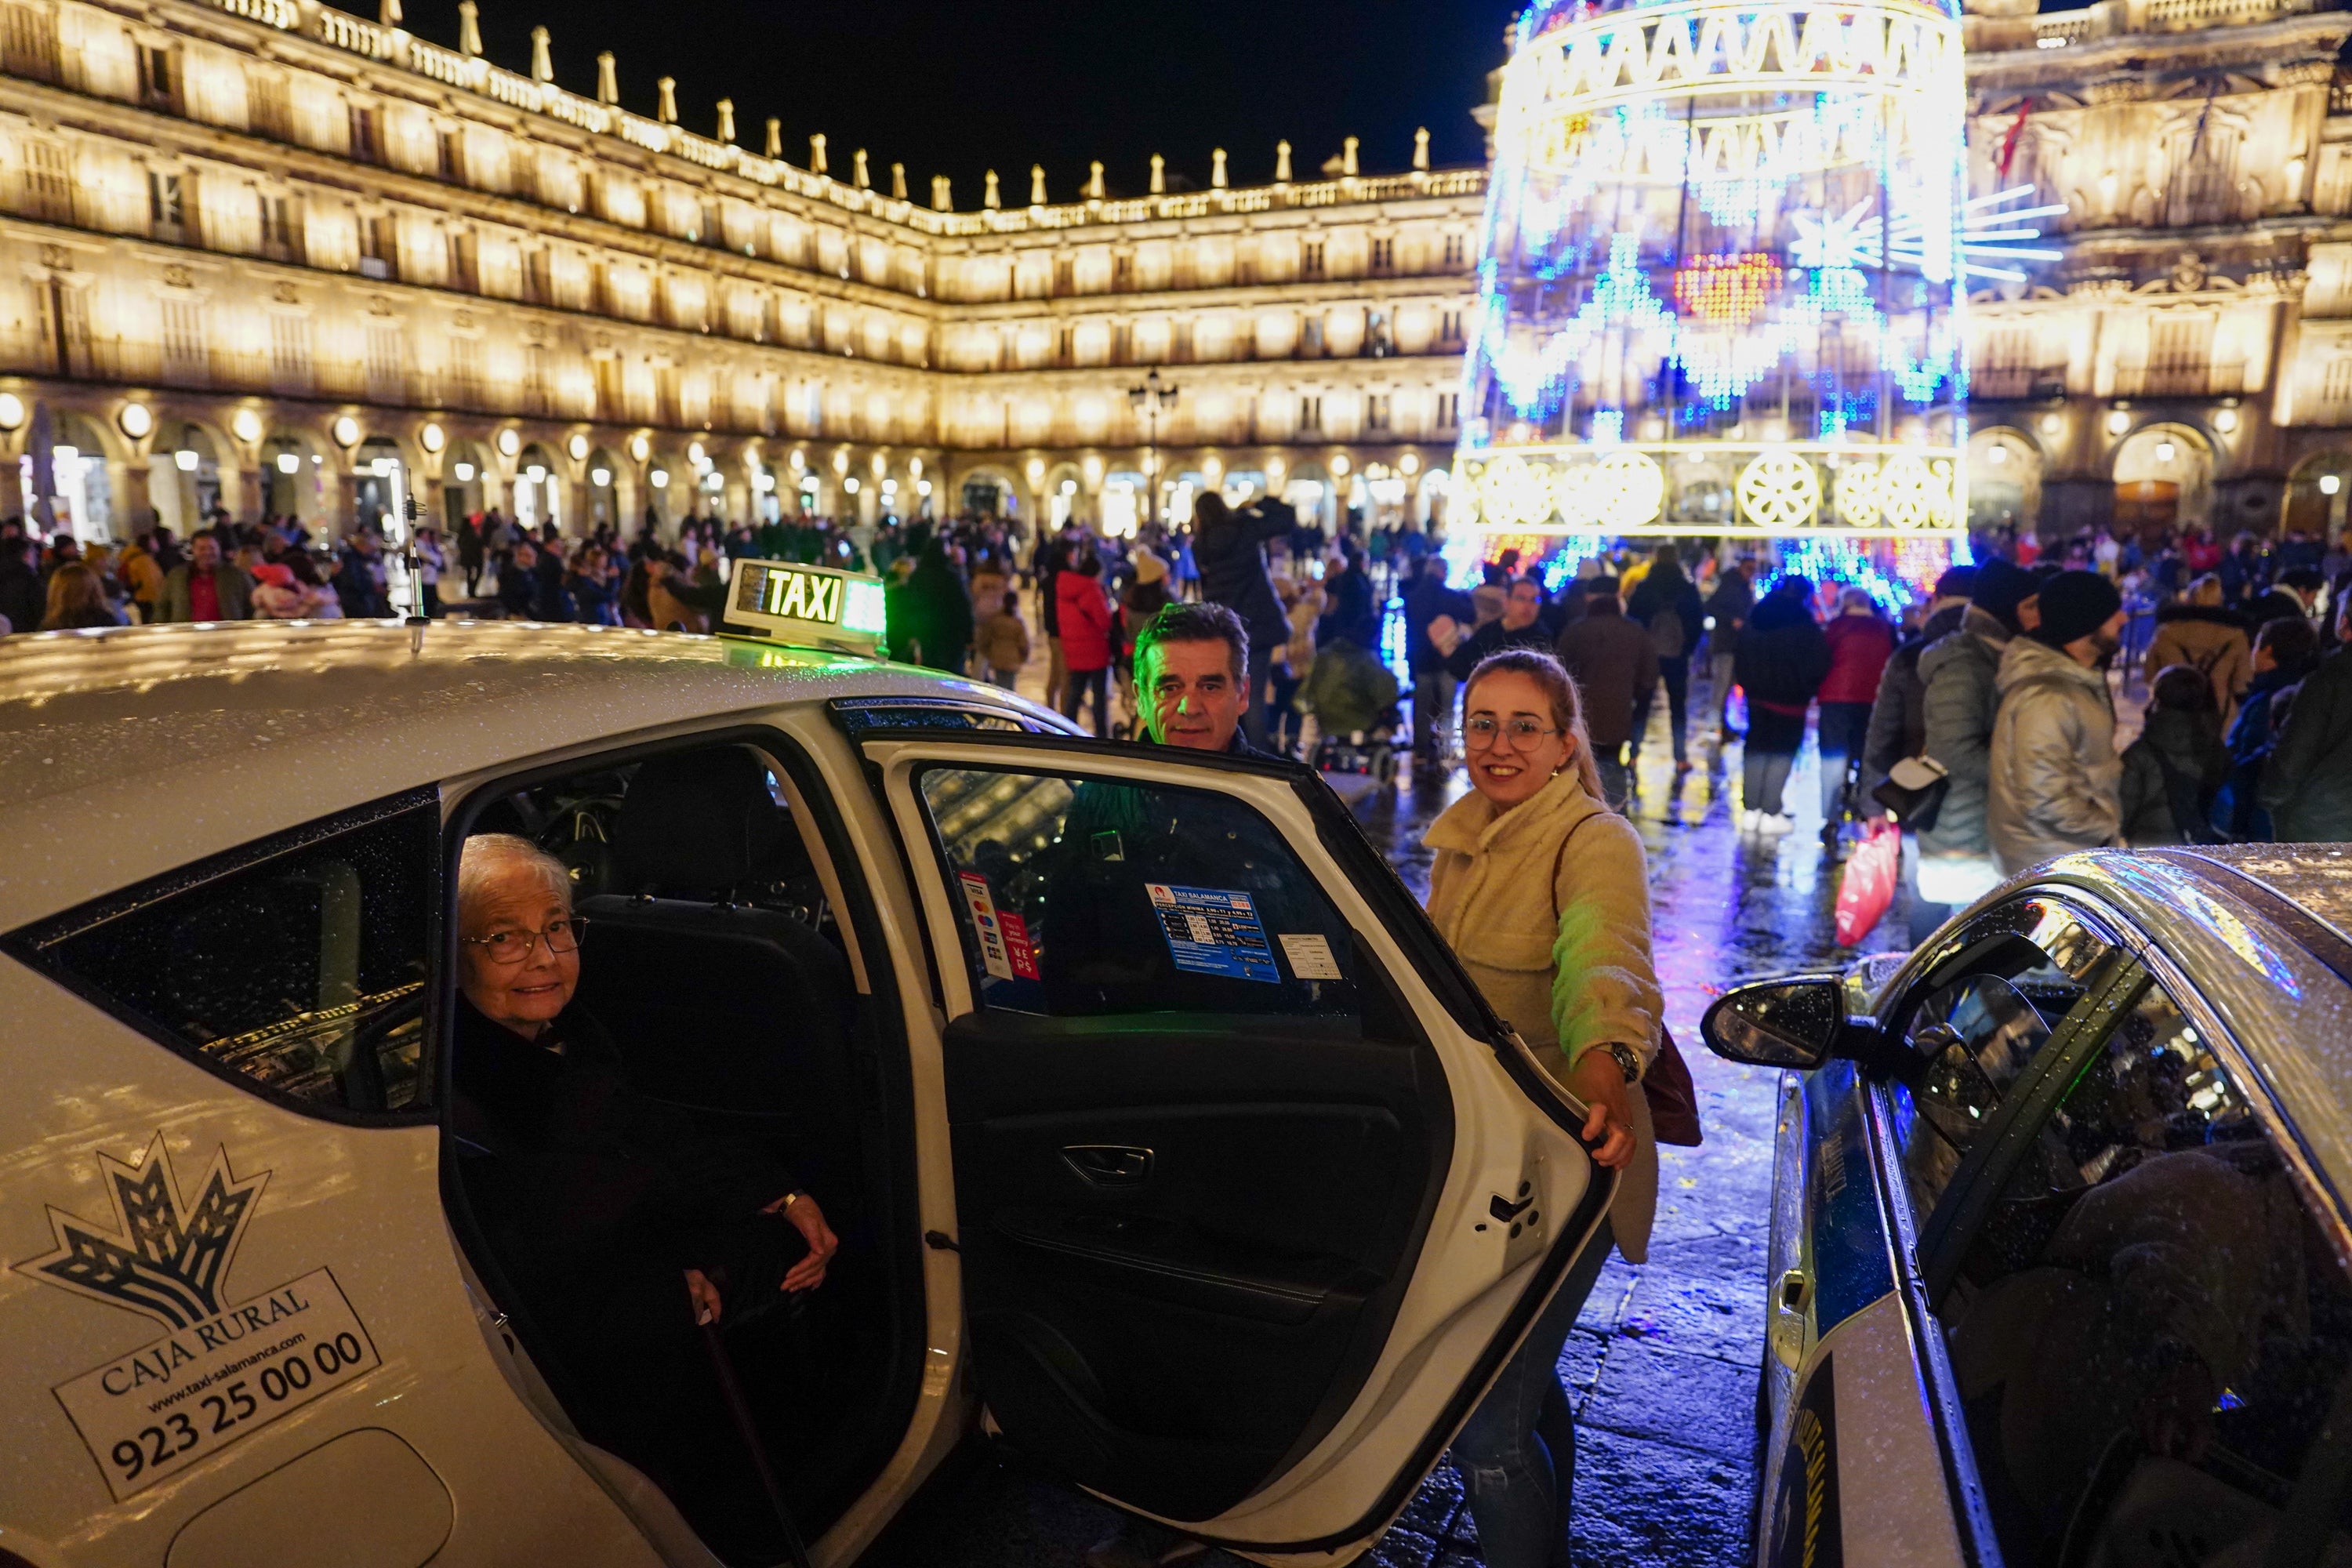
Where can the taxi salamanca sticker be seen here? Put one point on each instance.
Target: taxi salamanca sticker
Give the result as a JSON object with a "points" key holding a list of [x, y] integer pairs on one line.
{"points": [[1212, 930], [224, 1368]]}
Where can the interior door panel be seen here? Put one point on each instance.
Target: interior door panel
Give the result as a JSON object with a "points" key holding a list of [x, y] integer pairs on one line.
{"points": [[1166, 1338]]}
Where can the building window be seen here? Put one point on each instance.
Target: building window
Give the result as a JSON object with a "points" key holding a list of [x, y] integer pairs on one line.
{"points": [[1310, 259], [1065, 274], [1310, 412], [1384, 256], [28, 41], [1454, 250], [290, 352], [1065, 350], [365, 148], [387, 362], [539, 277], [1376, 411], [185, 357], [451, 147], [48, 181], [1180, 343], [1449, 327], [2338, 387], [378, 241], [166, 203], [1449, 410], [266, 111], [538, 386], [1310, 337], [1122, 344], [278, 238], [158, 77], [1122, 273]]}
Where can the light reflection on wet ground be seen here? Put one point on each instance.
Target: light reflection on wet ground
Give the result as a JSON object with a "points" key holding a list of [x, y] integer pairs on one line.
{"points": [[1663, 1365]]}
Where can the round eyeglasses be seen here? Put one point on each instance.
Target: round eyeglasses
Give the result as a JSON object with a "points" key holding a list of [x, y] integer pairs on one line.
{"points": [[1523, 734], [515, 946]]}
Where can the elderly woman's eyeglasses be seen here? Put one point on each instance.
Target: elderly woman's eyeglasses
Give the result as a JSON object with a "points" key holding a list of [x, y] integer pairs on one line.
{"points": [[1523, 734], [515, 946]]}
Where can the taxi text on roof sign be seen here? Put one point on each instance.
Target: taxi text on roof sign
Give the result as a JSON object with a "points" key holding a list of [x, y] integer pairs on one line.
{"points": [[818, 607]]}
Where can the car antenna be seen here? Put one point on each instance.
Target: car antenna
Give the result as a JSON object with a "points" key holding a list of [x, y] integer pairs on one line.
{"points": [[416, 621]]}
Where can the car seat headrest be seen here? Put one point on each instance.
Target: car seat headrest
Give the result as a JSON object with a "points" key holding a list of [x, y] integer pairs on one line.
{"points": [[705, 821]]}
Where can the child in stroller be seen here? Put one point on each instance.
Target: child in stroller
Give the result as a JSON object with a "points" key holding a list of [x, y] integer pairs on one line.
{"points": [[1354, 697]]}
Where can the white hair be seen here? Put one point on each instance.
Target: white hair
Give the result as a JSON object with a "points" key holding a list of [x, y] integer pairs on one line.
{"points": [[488, 856]]}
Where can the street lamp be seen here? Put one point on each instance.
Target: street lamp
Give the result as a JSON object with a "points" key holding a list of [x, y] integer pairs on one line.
{"points": [[1152, 399]]}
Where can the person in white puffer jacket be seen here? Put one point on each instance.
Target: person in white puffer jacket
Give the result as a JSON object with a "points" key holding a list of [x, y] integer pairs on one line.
{"points": [[2054, 770]]}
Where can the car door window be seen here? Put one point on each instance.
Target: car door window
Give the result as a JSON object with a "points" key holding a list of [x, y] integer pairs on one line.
{"points": [[1976, 1036], [297, 966], [2150, 1326], [1083, 897]]}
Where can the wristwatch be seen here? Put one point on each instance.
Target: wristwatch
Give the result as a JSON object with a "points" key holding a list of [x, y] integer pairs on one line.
{"points": [[1627, 1062]]}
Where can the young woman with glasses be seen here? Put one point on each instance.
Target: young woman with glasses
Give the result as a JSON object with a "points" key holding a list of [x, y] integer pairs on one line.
{"points": [[1544, 894]]}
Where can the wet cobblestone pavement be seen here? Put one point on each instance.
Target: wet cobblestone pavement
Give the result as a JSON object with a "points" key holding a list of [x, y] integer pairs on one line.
{"points": [[1663, 1367]]}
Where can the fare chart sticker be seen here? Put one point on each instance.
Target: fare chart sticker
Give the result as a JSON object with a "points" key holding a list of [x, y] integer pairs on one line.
{"points": [[994, 954], [1310, 956], [1214, 930], [1018, 948]]}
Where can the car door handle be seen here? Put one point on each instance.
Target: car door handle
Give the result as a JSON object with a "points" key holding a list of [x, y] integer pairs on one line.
{"points": [[1108, 1164]]}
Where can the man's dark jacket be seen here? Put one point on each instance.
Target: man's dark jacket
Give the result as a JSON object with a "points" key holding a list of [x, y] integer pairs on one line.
{"points": [[1615, 664]]}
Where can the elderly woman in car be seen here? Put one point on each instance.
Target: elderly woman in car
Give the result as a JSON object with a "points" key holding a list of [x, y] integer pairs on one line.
{"points": [[621, 1224]]}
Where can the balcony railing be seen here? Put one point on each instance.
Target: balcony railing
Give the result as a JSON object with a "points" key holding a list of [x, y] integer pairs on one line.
{"points": [[2184, 380], [471, 72], [2017, 380]]}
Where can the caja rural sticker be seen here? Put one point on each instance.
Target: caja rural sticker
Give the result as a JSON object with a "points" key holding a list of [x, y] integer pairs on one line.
{"points": [[224, 1369]]}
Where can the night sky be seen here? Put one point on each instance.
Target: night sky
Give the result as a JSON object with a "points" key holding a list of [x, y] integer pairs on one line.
{"points": [[958, 89]]}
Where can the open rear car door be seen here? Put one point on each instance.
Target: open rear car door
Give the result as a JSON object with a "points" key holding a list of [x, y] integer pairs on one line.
{"points": [[1255, 1195]]}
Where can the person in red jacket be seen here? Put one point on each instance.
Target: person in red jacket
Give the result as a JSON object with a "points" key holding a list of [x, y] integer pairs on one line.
{"points": [[1861, 641], [1084, 617]]}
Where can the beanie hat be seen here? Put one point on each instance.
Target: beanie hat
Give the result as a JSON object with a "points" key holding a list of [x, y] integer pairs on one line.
{"points": [[1150, 568], [1999, 588], [1957, 582], [2075, 604]]}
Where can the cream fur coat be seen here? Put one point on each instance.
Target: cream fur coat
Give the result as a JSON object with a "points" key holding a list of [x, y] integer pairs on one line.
{"points": [[1548, 907]]}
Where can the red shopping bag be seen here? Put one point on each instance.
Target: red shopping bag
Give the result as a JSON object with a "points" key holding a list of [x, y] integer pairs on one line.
{"points": [[1868, 890]]}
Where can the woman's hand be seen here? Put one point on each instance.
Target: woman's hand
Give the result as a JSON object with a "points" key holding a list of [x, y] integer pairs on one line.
{"points": [[1600, 1083], [705, 1297], [809, 1220]]}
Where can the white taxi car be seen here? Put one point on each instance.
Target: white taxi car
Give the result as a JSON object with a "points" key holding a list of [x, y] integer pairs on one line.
{"points": [[1161, 1135]]}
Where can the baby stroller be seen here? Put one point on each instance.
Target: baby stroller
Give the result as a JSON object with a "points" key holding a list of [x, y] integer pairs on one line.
{"points": [[1354, 699]]}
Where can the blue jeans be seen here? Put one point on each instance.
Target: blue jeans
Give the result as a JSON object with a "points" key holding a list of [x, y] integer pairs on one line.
{"points": [[1516, 1454]]}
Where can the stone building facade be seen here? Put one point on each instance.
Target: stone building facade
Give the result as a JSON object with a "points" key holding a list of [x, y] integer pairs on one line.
{"points": [[265, 255], [2191, 358]]}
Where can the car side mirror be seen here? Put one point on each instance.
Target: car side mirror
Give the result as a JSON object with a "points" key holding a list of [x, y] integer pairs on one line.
{"points": [[1799, 1022]]}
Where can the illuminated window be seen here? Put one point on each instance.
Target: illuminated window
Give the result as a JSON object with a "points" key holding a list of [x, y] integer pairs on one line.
{"points": [[1449, 327], [1376, 411], [166, 203], [185, 356], [1310, 259], [1449, 410], [1310, 412], [49, 180], [1383, 255], [1454, 250], [365, 148]]}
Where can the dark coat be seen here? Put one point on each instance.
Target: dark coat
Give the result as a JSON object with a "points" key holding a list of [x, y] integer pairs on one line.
{"points": [[2250, 738], [21, 601], [1425, 601], [235, 589], [1232, 560], [938, 611], [1492, 638], [2307, 785], [1653, 597], [1898, 718], [1616, 665], [1783, 659], [2171, 775], [1733, 601]]}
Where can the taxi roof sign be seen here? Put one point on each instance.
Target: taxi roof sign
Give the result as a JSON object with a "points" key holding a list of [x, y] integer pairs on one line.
{"points": [[815, 607]]}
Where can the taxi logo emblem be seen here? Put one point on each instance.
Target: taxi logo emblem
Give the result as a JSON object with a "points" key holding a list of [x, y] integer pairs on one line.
{"points": [[164, 1258]]}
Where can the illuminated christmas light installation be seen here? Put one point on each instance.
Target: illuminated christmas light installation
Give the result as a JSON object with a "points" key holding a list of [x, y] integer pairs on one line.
{"points": [[1723, 283]]}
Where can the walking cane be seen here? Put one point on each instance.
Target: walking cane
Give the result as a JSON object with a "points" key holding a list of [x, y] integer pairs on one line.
{"points": [[723, 1367]]}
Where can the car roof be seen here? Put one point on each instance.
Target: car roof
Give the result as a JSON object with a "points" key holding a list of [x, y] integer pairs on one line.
{"points": [[2276, 976], [127, 751]]}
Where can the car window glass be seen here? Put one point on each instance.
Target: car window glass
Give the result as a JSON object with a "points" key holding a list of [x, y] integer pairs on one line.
{"points": [[2150, 1327], [303, 971], [1976, 1036], [1081, 897]]}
